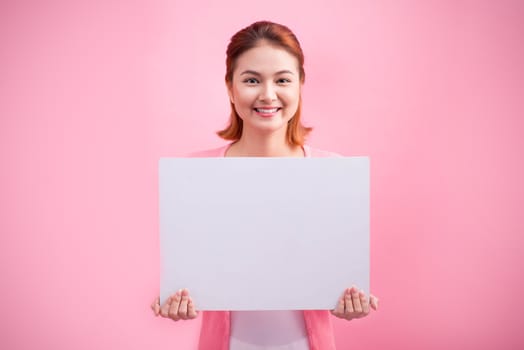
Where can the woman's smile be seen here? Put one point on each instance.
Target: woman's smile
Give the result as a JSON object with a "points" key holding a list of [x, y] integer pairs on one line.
{"points": [[267, 112]]}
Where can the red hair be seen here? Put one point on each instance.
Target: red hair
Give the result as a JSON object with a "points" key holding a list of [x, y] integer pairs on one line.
{"points": [[248, 38]]}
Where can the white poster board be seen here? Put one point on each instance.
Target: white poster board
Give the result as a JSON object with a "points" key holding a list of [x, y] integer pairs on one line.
{"points": [[264, 233]]}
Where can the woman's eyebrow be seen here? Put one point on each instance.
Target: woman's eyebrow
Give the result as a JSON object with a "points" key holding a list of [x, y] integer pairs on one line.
{"points": [[252, 72]]}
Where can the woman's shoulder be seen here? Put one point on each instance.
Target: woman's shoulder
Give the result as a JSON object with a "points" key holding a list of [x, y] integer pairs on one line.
{"points": [[209, 153], [319, 153], [221, 151]]}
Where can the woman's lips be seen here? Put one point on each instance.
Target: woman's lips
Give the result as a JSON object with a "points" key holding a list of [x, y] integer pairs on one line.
{"points": [[267, 112]]}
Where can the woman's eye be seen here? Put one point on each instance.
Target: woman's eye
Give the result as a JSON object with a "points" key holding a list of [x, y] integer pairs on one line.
{"points": [[251, 81], [283, 81]]}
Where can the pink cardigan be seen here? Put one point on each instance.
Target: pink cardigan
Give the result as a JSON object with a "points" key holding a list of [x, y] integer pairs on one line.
{"points": [[221, 152], [215, 331]]}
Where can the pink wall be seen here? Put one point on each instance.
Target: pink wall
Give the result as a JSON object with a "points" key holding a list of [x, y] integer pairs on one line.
{"points": [[93, 93]]}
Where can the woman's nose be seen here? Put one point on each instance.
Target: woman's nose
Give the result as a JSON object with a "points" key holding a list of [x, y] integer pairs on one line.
{"points": [[268, 93]]}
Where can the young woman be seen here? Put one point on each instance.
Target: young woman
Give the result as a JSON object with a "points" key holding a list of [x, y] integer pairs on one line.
{"points": [[264, 77]]}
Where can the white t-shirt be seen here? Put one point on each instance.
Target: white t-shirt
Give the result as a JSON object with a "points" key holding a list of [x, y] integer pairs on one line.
{"points": [[268, 330]]}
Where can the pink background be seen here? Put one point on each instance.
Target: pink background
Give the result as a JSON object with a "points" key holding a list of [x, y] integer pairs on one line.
{"points": [[92, 93]]}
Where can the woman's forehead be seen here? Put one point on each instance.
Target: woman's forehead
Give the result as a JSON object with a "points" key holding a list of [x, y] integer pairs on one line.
{"points": [[267, 59]]}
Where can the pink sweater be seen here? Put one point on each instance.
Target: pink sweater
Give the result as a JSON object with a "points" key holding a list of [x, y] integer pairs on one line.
{"points": [[215, 331]]}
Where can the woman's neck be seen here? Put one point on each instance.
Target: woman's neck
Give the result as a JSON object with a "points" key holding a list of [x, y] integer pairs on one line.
{"points": [[264, 146]]}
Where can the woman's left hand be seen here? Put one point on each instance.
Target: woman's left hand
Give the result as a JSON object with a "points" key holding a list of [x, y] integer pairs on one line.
{"points": [[354, 304]]}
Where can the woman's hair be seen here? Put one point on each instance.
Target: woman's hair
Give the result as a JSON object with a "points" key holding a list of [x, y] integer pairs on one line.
{"points": [[248, 38]]}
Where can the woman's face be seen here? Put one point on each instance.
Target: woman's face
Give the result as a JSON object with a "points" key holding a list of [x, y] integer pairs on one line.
{"points": [[265, 88]]}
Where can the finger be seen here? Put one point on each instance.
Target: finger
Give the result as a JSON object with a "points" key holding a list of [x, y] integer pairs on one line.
{"points": [[339, 308], [175, 305], [164, 310], [348, 304], [155, 306], [364, 303], [182, 310], [373, 300], [355, 297], [191, 310]]}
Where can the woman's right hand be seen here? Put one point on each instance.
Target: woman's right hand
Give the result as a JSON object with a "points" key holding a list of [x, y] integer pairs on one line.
{"points": [[178, 306]]}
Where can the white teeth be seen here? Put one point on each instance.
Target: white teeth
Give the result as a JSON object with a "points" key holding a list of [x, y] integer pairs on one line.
{"points": [[263, 110]]}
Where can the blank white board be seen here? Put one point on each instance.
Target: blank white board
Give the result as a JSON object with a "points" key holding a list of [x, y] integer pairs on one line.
{"points": [[264, 233]]}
